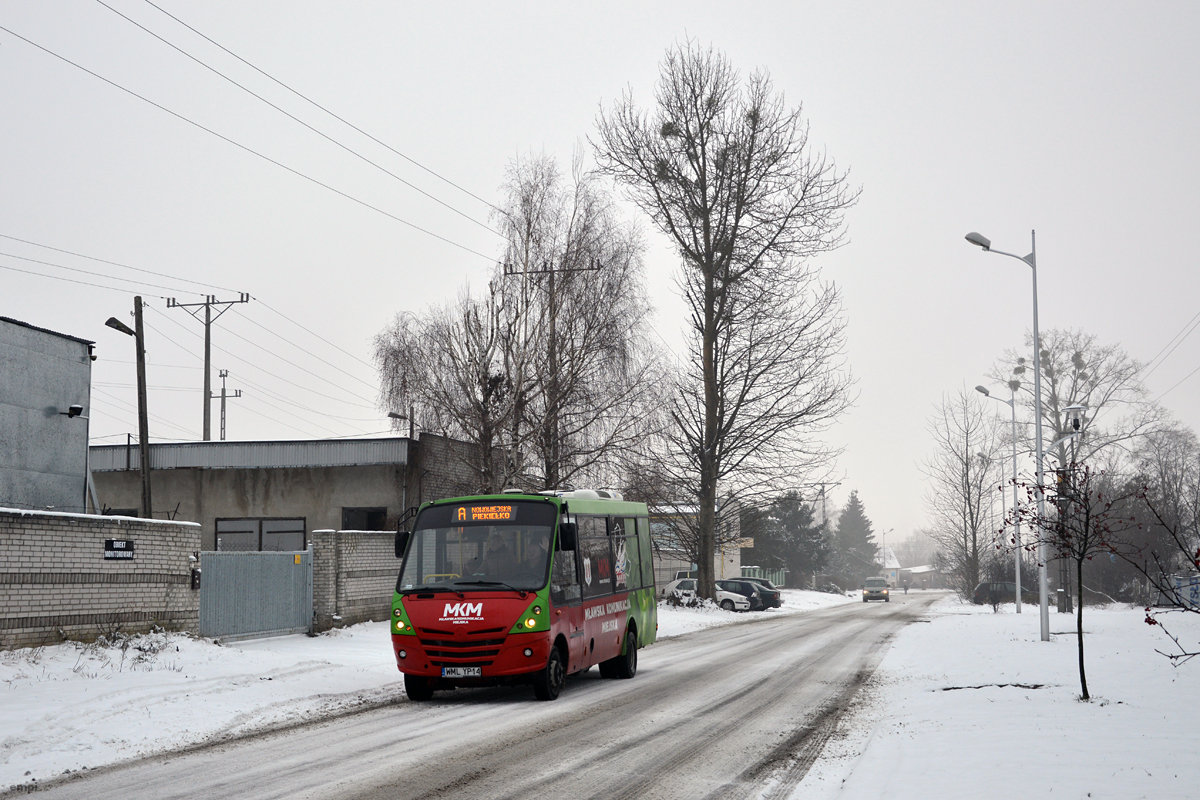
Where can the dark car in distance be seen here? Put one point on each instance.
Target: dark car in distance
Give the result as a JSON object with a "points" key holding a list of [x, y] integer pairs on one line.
{"points": [[746, 589], [992, 593], [772, 597]]}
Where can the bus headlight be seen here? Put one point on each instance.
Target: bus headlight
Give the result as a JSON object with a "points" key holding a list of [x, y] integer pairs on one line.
{"points": [[528, 652], [529, 623], [402, 654]]}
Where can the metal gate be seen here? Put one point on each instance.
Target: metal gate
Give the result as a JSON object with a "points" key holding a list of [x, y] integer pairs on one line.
{"points": [[243, 595]]}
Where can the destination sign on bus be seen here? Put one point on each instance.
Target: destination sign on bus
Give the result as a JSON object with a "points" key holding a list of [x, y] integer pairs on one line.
{"points": [[489, 513]]}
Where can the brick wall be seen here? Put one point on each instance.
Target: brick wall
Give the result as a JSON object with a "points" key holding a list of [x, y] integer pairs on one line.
{"points": [[354, 575], [55, 582]]}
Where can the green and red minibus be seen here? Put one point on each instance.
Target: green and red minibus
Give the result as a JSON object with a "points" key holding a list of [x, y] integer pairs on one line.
{"points": [[522, 588]]}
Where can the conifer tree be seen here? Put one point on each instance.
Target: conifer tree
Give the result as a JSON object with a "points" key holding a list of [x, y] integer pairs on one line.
{"points": [[854, 542]]}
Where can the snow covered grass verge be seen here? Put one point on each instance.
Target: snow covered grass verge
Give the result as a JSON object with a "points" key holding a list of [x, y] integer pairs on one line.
{"points": [[73, 707], [678, 620], [974, 704]]}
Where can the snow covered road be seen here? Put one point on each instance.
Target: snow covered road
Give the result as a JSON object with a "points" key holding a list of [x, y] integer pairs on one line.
{"points": [[721, 713]]}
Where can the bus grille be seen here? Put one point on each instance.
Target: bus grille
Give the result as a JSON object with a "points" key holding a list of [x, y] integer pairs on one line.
{"points": [[452, 654], [458, 645]]}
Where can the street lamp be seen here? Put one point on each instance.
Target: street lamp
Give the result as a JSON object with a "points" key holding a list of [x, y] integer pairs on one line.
{"points": [[410, 417], [1031, 261], [1012, 404], [143, 414]]}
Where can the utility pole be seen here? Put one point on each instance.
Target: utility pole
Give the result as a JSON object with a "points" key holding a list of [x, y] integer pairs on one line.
{"points": [[138, 333], [550, 426], [209, 318], [223, 374]]}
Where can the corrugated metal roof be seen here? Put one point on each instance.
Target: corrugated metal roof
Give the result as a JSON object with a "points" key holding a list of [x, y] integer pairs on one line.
{"points": [[251, 455]]}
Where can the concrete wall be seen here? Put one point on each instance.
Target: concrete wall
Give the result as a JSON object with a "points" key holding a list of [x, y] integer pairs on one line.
{"points": [[43, 454], [55, 581], [316, 494], [354, 576]]}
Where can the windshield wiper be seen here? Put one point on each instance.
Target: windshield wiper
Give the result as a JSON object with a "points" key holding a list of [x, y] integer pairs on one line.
{"points": [[522, 592], [431, 589]]}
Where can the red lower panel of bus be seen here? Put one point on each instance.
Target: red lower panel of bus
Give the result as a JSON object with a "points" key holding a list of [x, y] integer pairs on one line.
{"points": [[481, 654]]}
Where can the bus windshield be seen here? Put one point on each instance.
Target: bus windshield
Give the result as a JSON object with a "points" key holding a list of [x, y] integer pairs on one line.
{"points": [[481, 545]]}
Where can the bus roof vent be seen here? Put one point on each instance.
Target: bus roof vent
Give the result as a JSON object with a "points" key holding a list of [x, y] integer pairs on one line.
{"points": [[591, 494]]}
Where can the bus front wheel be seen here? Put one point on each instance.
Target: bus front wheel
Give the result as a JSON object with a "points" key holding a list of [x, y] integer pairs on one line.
{"points": [[418, 688], [549, 681]]}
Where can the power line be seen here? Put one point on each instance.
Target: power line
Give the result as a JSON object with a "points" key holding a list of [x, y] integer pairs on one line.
{"points": [[273, 375], [1184, 378], [265, 305], [87, 272], [240, 146], [326, 110], [73, 280], [294, 118], [318, 358], [1183, 334], [112, 263]]}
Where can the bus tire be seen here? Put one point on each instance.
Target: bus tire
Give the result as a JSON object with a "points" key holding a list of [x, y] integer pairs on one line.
{"points": [[626, 666], [418, 688], [548, 682]]}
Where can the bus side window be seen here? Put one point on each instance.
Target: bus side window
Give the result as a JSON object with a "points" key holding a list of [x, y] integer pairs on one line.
{"points": [[633, 556], [643, 534], [595, 557], [564, 579]]}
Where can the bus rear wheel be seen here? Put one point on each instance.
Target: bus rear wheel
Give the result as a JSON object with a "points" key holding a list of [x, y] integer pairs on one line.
{"points": [[626, 665], [548, 682], [418, 688]]}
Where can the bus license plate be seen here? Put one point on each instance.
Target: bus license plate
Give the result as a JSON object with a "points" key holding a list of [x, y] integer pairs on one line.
{"points": [[462, 672]]}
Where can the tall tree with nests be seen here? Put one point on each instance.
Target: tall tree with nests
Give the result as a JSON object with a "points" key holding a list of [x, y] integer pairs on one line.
{"points": [[1078, 369], [723, 168]]}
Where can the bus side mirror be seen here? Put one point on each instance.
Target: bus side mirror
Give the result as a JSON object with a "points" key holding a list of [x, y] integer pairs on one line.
{"points": [[566, 535], [401, 542]]}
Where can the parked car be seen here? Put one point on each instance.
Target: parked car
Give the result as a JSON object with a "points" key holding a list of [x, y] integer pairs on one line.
{"points": [[1001, 592], [876, 589], [772, 597], [746, 589], [686, 587]]}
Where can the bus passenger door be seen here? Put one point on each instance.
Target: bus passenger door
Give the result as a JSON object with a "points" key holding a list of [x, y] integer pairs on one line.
{"points": [[568, 613]]}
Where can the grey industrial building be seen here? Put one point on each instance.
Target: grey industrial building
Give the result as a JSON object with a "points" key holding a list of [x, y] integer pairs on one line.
{"points": [[268, 495], [43, 442]]}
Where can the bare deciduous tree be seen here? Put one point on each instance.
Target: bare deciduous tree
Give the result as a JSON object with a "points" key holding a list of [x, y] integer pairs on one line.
{"points": [[548, 375], [450, 363], [963, 472], [1090, 517], [1077, 369], [578, 353], [725, 171]]}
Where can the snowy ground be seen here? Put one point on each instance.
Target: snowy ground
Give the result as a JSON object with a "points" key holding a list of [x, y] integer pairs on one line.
{"points": [[975, 705], [73, 707]]}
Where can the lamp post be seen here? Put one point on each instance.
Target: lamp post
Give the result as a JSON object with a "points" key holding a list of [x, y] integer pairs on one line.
{"points": [[143, 415], [1012, 404], [1031, 261]]}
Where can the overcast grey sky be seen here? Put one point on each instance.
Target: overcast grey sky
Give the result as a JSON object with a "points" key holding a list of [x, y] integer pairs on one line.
{"points": [[1077, 119]]}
